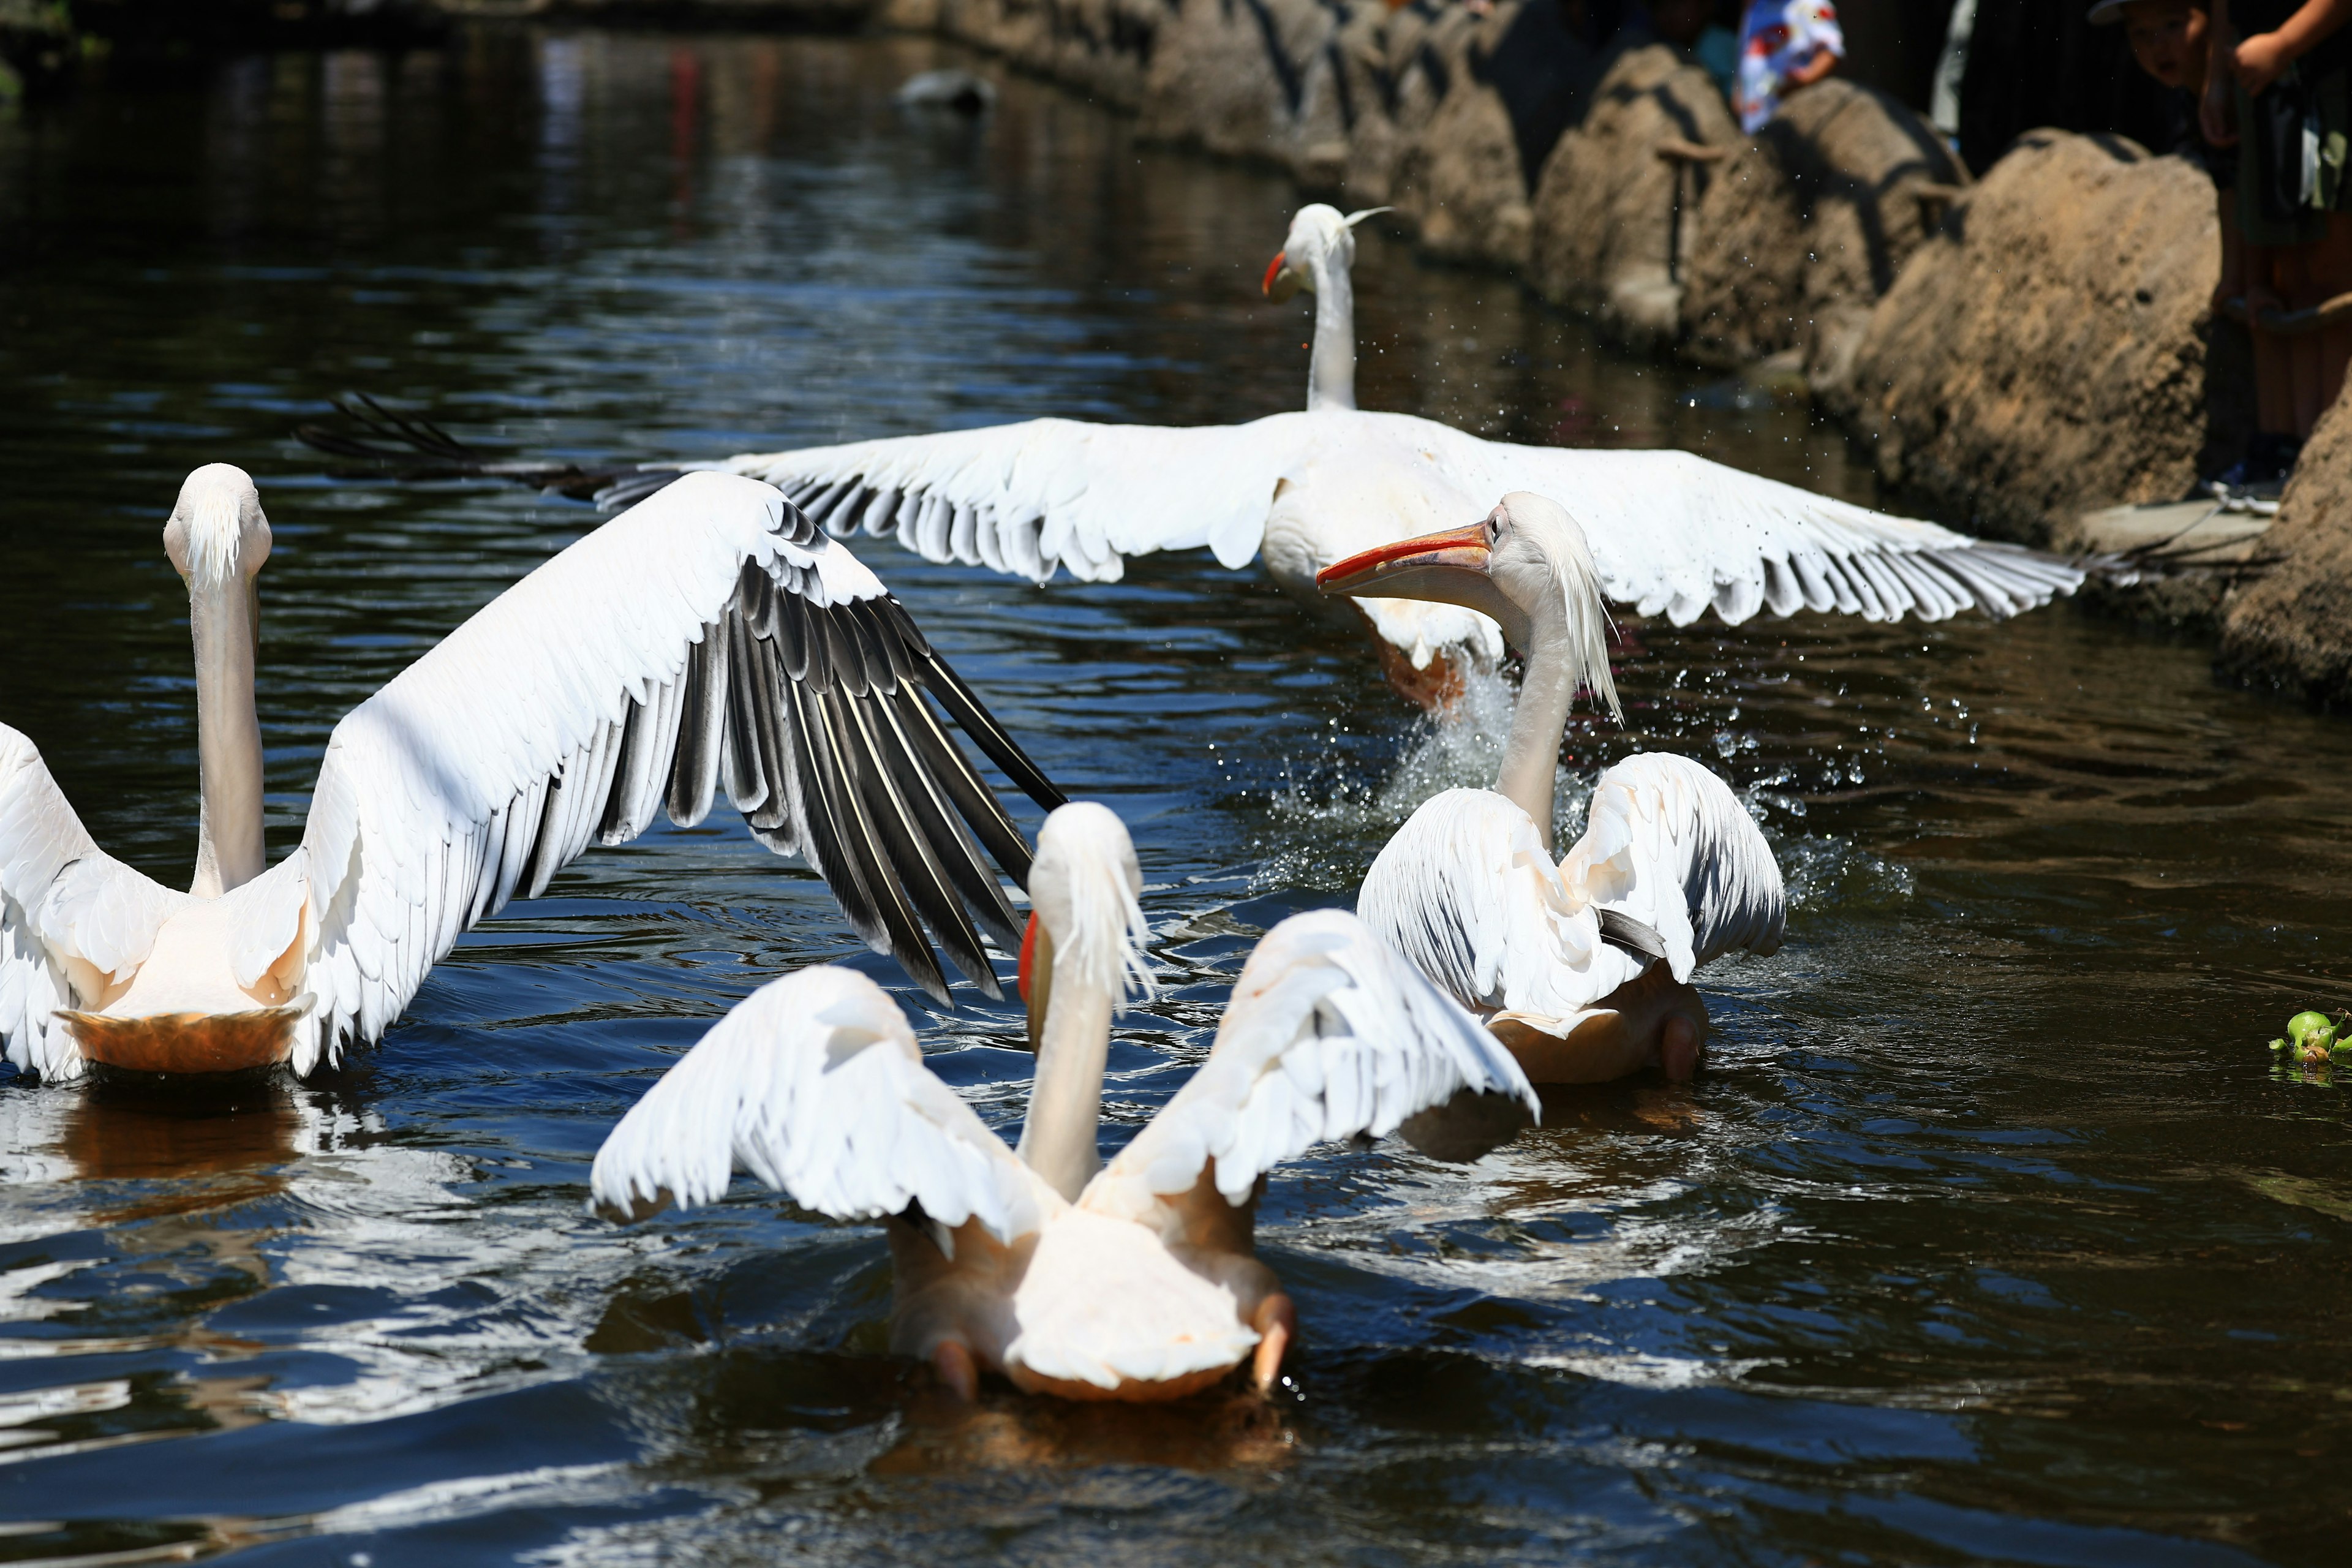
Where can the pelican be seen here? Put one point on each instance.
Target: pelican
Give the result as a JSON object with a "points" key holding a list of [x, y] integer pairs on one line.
{"points": [[1134, 1280], [1582, 966], [711, 635], [1671, 533]]}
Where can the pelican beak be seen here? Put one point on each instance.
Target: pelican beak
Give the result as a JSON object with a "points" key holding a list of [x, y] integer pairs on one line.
{"points": [[1448, 568], [1035, 978], [1412, 568], [1282, 280]]}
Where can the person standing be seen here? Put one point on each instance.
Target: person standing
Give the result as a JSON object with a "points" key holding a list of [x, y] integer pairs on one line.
{"points": [[2278, 86], [1784, 45]]}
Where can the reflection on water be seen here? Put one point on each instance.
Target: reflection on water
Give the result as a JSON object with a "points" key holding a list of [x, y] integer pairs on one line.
{"points": [[1992, 1233]]}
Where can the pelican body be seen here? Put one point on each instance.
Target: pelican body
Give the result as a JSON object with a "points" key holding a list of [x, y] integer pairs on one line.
{"points": [[709, 636], [1132, 1280], [1581, 966]]}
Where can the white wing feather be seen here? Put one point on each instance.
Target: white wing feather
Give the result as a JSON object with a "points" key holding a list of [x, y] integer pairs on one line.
{"points": [[1466, 892], [814, 1084], [1329, 1033], [1676, 534], [1666, 842], [64, 904], [1023, 499], [1672, 532], [434, 790]]}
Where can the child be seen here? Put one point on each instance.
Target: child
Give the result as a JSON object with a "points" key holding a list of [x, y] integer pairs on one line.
{"points": [[1785, 45], [2171, 41], [2284, 67]]}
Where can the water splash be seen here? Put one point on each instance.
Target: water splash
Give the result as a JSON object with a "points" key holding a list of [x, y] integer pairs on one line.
{"points": [[1329, 821]]}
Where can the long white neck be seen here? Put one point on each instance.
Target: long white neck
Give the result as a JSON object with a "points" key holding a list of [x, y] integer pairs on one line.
{"points": [[1331, 372], [1531, 757], [1058, 1141], [222, 618]]}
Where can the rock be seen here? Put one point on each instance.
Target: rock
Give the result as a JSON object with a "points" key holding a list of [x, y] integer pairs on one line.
{"points": [[1247, 81], [2046, 354], [2291, 627], [1808, 227], [1613, 218], [1100, 46], [957, 91], [1458, 179]]}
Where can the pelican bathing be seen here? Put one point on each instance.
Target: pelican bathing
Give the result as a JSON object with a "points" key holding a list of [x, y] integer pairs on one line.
{"points": [[1135, 1280], [1583, 965], [710, 636]]}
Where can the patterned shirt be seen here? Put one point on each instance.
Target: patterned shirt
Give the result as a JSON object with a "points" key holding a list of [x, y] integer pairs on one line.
{"points": [[1776, 37]]}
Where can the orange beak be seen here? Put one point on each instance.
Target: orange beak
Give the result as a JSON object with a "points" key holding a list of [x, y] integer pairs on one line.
{"points": [[1280, 283], [1387, 569], [1035, 977], [1028, 951]]}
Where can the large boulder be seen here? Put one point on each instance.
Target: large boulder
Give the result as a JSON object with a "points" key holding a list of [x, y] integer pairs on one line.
{"points": [[1807, 226], [1458, 179], [1613, 218], [1101, 46], [1248, 81], [2292, 626], [2047, 351]]}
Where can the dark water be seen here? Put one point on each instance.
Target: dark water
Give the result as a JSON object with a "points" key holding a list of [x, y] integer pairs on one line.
{"points": [[1990, 1236]]}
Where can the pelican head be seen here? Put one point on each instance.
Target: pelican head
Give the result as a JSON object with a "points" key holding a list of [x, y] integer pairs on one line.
{"points": [[218, 536], [1525, 563], [1320, 239], [1087, 924]]}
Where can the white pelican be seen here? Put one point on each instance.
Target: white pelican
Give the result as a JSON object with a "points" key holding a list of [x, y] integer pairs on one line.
{"points": [[1134, 1280], [1671, 532], [1582, 967], [709, 635]]}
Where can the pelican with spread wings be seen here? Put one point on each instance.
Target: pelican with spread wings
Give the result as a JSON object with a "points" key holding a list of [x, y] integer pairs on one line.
{"points": [[1132, 1280], [1581, 965], [710, 636], [1670, 533]]}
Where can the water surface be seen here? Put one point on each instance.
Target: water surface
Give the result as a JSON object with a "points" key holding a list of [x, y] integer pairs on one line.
{"points": [[1990, 1233]]}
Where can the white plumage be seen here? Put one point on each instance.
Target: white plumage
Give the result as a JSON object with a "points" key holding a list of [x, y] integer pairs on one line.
{"points": [[709, 636], [1466, 890], [1145, 1284], [1672, 533]]}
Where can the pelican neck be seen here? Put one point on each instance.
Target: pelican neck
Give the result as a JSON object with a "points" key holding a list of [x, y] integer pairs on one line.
{"points": [[223, 624], [1331, 369], [1539, 721], [1057, 1139]]}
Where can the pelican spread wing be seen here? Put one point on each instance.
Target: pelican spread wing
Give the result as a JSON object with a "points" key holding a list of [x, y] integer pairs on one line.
{"points": [[1674, 533], [814, 1085], [1024, 499], [1668, 843], [72, 917], [1329, 1034], [709, 635]]}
